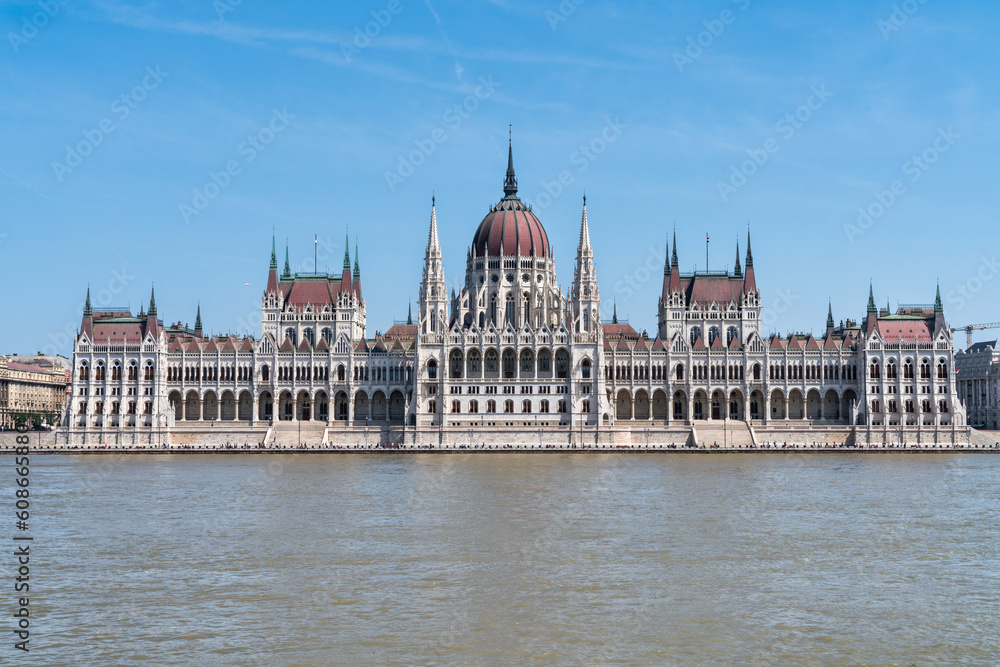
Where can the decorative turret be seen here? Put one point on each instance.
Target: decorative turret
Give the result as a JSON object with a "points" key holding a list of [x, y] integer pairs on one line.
{"points": [[738, 272], [433, 289], [585, 293], [749, 281], [287, 274], [409, 313], [939, 323], [152, 325], [272, 271], [87, 326], [510, 182], [197, 323], [829, 320]]}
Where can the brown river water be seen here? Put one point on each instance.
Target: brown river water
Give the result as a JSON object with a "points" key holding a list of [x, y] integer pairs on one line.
{"points": [[513, 559]]}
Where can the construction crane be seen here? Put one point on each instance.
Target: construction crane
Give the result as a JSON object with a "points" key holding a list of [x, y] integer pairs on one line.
{"points": [[968, 329]]}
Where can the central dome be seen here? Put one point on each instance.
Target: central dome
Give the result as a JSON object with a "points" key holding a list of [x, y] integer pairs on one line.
{"points": [[510, 228]]}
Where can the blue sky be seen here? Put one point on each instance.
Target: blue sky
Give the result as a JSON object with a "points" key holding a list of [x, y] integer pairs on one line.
{"points": [[117, 116]]}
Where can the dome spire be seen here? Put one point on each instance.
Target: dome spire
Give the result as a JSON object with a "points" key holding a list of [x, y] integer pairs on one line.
{"points": [[510, 182]]}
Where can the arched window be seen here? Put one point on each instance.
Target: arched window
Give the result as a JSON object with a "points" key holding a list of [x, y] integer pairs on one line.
{"points": [[327, 335], [890, 370], [84, 372], [586, 319], [562, 363], [874, 371], [508, 407], [491, 407], [680, 372], [482, 320], [544, 361], [493, 310], [730, 335], [509, 364], [713, 333], [527, 362], [432, 407], [756, 371], [526, 310], [265, 373], [491, 361], [455, 363], [526, 407], [456, 407], [99, 374], [474, 407], [290, 335], [908, 370], [432, 369], [310, 335], [585, 369], [148, 374], [475, 364], [434, 319], [942, 370], [695, 334], [586, 406], [925, 370], [509, 310]]}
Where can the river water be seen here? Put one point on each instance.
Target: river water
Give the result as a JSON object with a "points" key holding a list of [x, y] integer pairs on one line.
{"points": [[514, 559]]}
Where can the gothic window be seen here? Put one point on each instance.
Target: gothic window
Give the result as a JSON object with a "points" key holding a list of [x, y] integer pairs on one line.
{"points": [[491, 361], [544, 361], [432, 369], [756, 372], [473, 407], [713, 333], [327, 335], [730, 335], [493, 310], [509, 364], [890, 370], [942, 370], [491, 407], [290, 335], [527, 362], [432, 407], [562, 363], [874, 372], [526, 407], [433, 320], [455, 361], [585, 369], [680, 372], [265, 373], [474, 361], [526, 310], [508, 407], [908, 370], [586, 406], [509, 310], [456, 407], [148, 375], [482, 320], [586, 320], [116, 372], [695, 334], [925, 370]]}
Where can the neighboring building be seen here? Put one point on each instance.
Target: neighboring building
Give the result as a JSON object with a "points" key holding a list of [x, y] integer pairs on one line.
{"points": [[512, 355], [978, 370], [31, 390]]}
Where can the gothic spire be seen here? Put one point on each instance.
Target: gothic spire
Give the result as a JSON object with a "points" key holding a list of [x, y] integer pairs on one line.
{"points": [[409, 313], [614, 313], [666, 258], [938, 307], [585, 247], [87, 311], [274, 256], [433, 245], [288, 266], [510, 182], [197, 321], [673, 258], [152, 302], [872, 308], [739, 270], [829, 316], [749, 251], [347, 250]]}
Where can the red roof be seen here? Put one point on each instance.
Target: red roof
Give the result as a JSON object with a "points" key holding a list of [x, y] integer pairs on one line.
{"points": [[616, 330], [911, 331], [510, 229], [708, 289]]}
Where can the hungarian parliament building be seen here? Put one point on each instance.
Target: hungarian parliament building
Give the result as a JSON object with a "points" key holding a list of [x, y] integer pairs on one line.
{"points": [[511, 359]]}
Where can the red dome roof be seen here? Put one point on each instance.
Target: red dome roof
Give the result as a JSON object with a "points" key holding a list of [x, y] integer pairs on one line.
{"points": [[510, 229]]}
